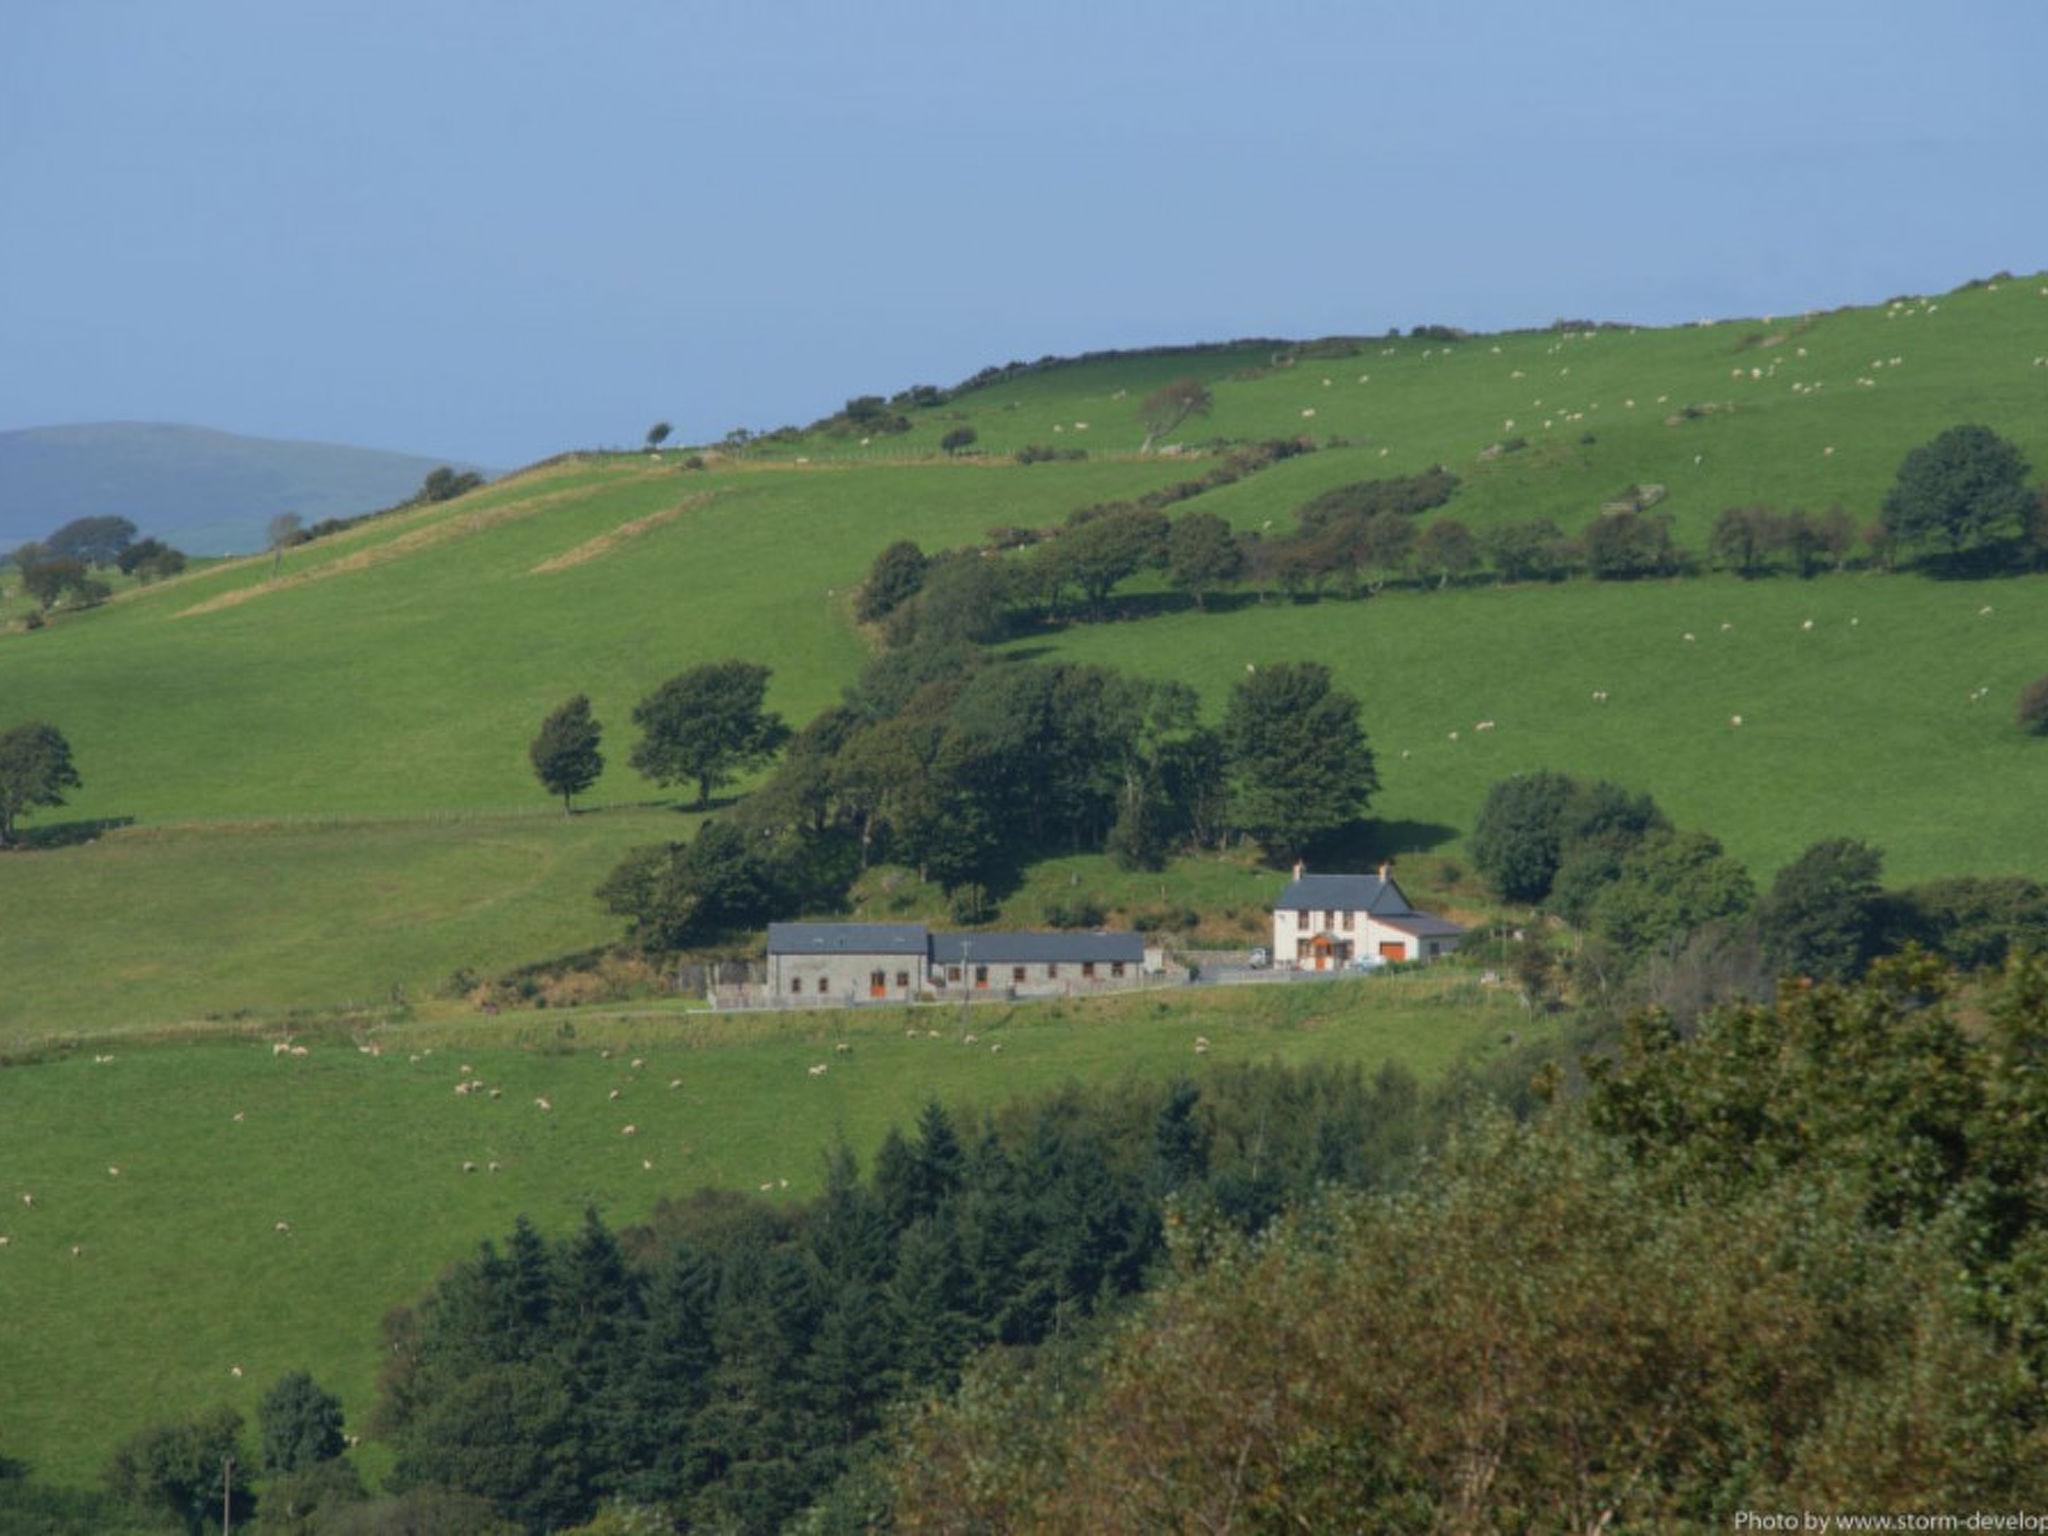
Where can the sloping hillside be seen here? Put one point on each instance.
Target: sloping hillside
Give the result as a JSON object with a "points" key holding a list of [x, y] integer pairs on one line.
{"points": [[395, 673], [209, 493]]}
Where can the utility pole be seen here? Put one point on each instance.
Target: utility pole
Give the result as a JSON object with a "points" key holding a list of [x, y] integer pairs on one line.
{"points": [[966, 980]]}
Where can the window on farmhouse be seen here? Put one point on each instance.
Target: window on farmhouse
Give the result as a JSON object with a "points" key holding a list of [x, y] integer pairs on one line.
{"points": [[1052, 971], [1116, 967], [1301, 918], [796, 983], [1348, 917], [903, 978], [1087, 970], [1016, 973], [821, 986]]}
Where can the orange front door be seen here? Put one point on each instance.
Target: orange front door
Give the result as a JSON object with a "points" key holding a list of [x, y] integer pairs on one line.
{"points": [[878, 983]]}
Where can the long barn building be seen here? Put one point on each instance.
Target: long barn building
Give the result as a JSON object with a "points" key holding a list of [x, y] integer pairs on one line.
{"points": [[898, 962]]}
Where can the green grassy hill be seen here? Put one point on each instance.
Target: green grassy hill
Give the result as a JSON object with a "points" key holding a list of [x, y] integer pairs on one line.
{"points": [[181, 1275], [239, 728]]}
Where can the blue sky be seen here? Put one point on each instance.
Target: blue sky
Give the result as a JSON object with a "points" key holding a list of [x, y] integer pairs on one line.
{"points": [[496, 230]]}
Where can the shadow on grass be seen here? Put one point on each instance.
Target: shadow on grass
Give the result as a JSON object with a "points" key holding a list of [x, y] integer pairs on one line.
{"points": [[67, 834]]}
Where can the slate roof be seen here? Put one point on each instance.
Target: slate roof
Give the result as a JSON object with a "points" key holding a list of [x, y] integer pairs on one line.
{"points": [[848, 938], [1037, 948], [1423, 925], [1346, 893]]}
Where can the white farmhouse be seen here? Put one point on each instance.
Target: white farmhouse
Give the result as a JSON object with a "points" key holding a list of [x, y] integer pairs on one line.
{"points": [[1324, 922]]}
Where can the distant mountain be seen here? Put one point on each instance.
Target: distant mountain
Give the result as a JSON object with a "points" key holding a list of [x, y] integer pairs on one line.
{"points": [[209, 493]]}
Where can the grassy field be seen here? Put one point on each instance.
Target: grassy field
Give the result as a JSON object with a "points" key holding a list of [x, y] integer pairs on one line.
{"points": [[153, 926], [1864, 725], [181, 1275]]}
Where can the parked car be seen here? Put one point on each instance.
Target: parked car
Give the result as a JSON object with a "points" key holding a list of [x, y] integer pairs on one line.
{"points": [[1368, 963], [1261, 961]]}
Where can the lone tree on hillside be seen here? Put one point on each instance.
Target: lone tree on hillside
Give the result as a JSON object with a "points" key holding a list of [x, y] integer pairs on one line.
{"points": [[658, 434], [35, 770], [283, 532], [1170, 405], [957, 439], [564, 754], [706, 725], [1967, 487], [1298, 760], [445, 484]]}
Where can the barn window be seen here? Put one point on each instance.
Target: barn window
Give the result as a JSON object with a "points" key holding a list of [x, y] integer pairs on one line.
{"points": [[796, 983], [821, 986]]}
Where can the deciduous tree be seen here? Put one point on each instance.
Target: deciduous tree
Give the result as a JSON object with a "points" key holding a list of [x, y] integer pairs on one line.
{"points": [[35, 770], [707, 725], [564, 755], [1170, 405], [1965, 488]]}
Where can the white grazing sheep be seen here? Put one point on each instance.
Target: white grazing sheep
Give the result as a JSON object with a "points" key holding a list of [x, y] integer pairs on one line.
{"points": [[614, 1093], [497, 1093], [674, 1083], [300, 1050], [462, 1090], [28, 1200], [1454, 735], [1688, 637], [468, 1167], [1984, 610], [1807, 624], [542, 1104], [1080, 426], [1726, 626], [646, 1165], [629, 1130], [77, 1250], [284, 1227], [1308, 411], [604, 1055], [1854, 622], [996, 1049], [843, 1048], [768, 1187], [1201, 1047], [971, 1040], [1735, 719], [113, 1171], [238, 1117], [465, 1070], [1827, 453], [638, 1063], [281, 1048], [818, 1070]]}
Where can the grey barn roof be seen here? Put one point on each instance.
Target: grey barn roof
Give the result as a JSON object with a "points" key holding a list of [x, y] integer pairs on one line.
{"points": [[848, 938], [1423, 925], [1346, 893], [1037, 948]]}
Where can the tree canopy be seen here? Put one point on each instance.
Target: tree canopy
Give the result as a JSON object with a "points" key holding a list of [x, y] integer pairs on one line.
{"points": [[95, 540], [1170, 405], [564, 755], [706, 726], [35, 770], [1965, 488], [1299, 764]]}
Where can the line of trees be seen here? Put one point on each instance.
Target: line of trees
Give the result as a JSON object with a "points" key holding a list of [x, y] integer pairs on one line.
{"points": [[1961, 501]]}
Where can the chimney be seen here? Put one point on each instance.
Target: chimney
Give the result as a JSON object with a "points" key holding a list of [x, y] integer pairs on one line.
{"points": [[1384, 867], [1299, 869]]}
